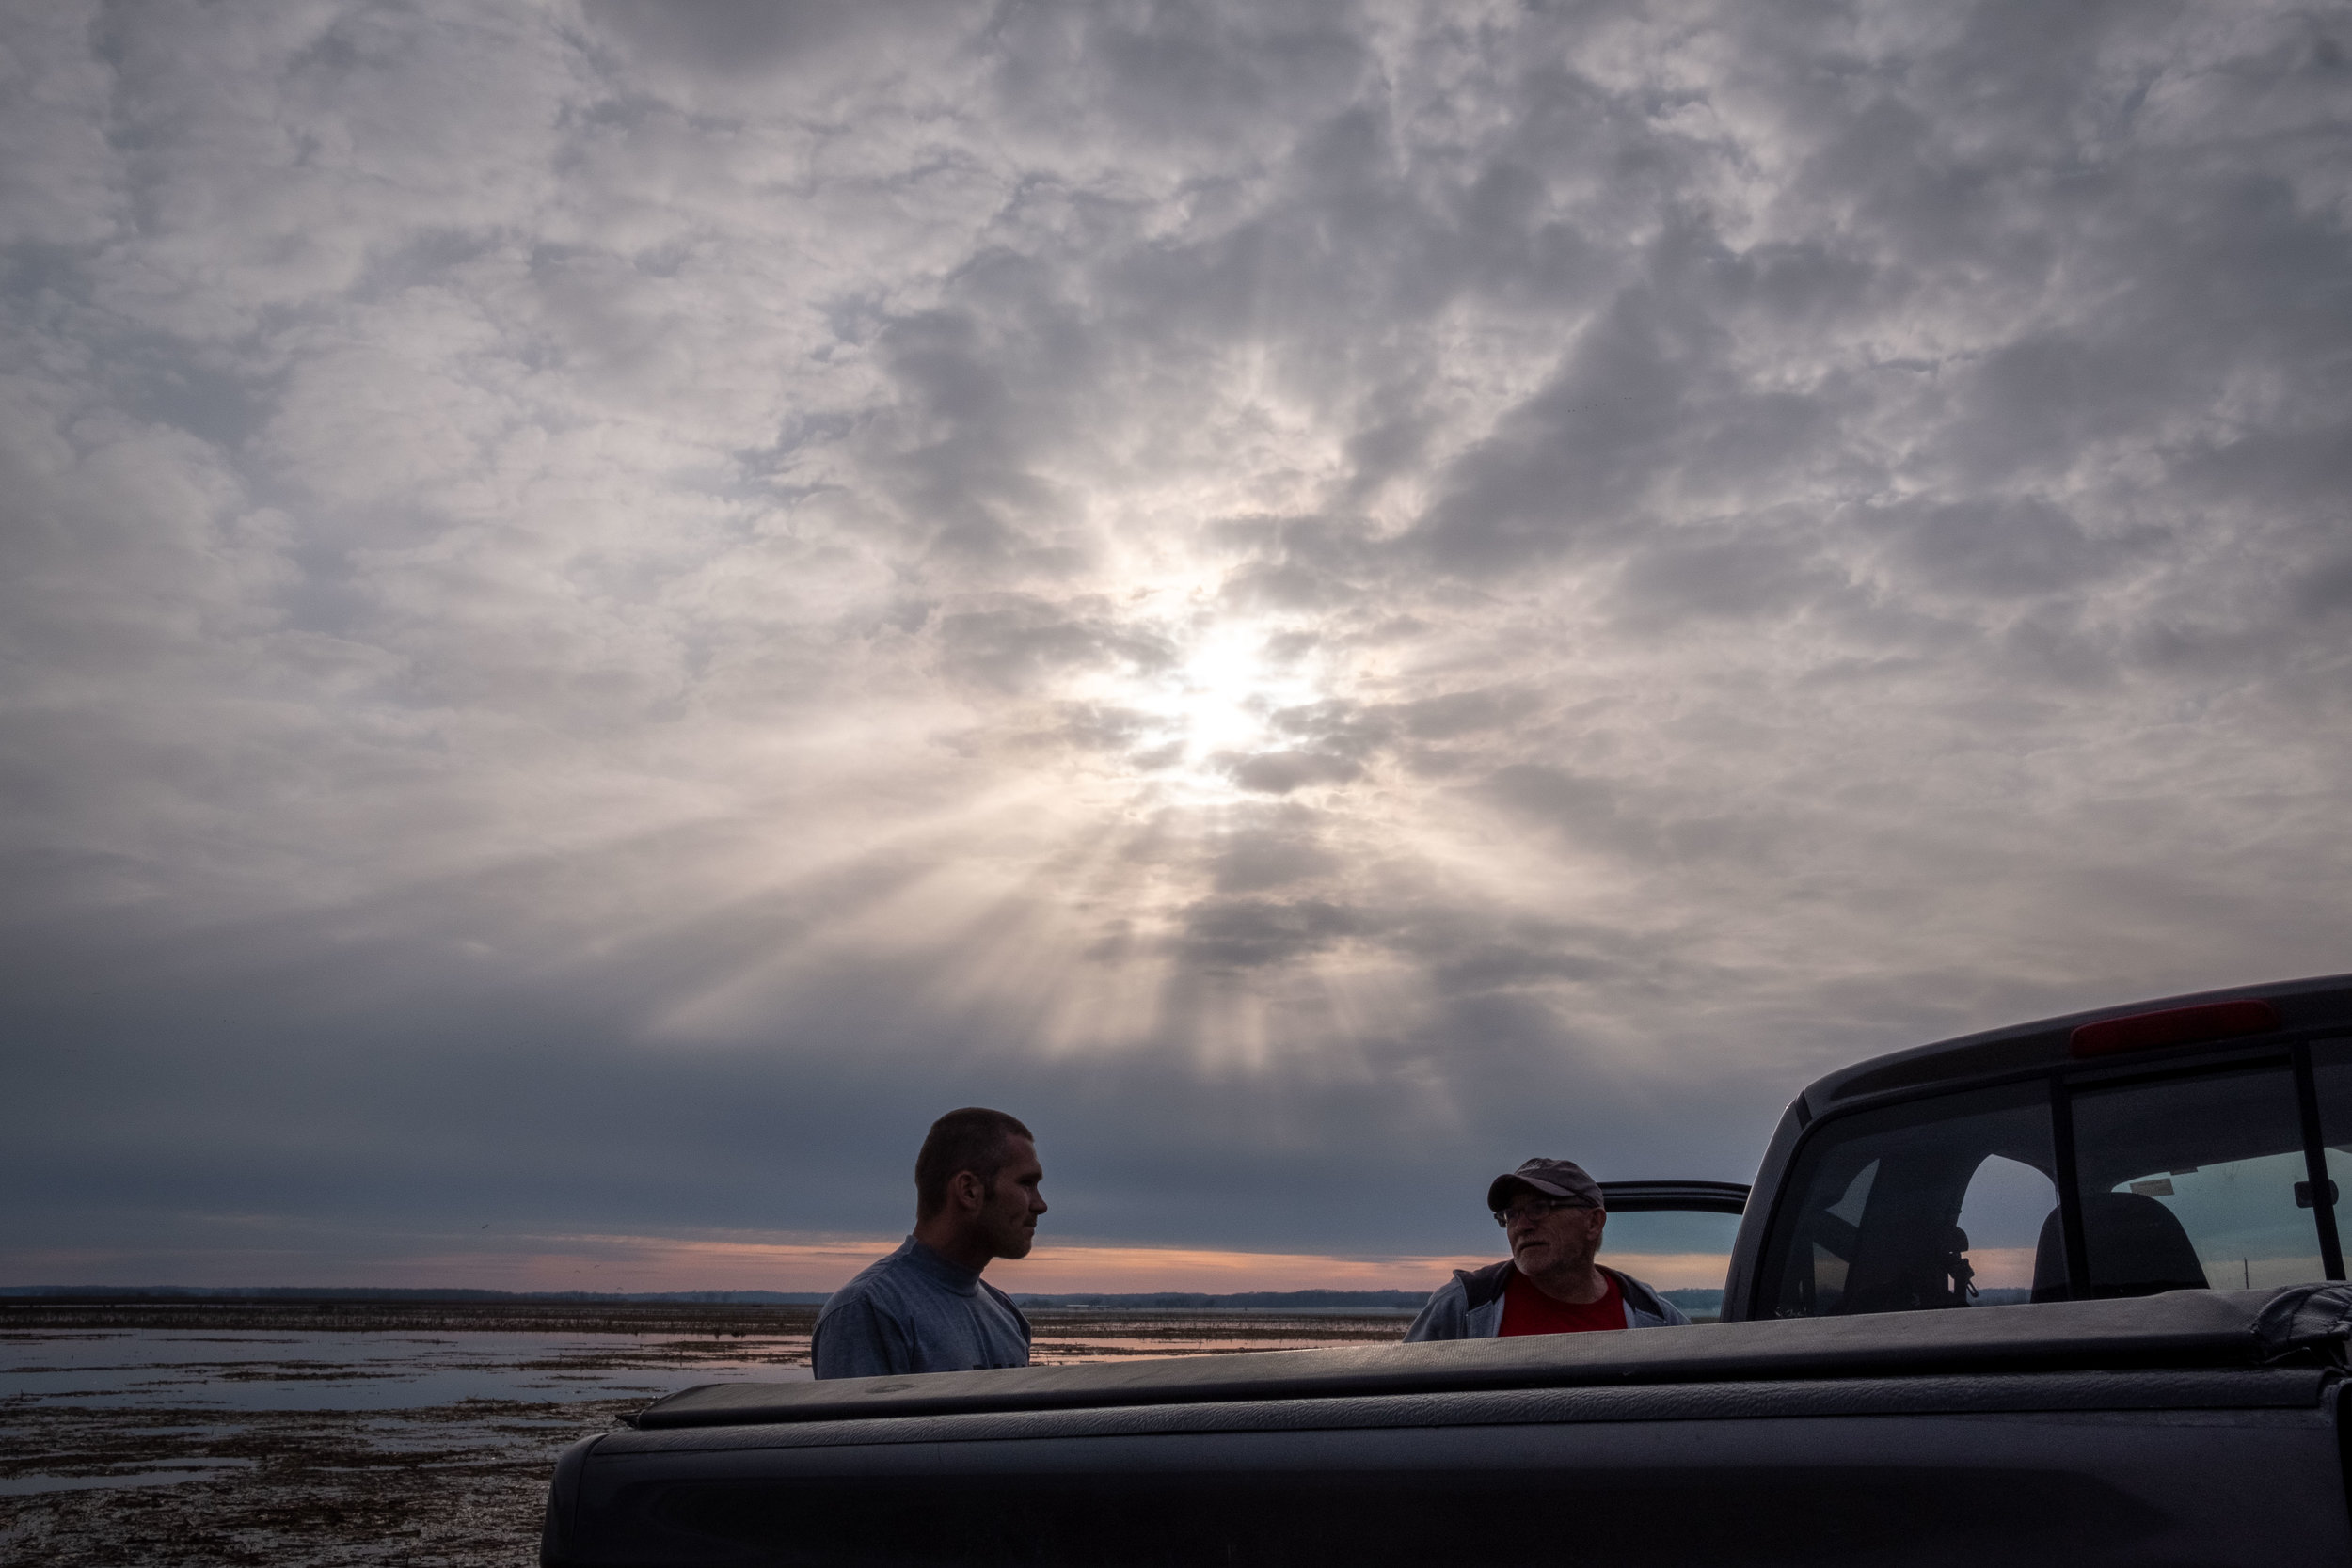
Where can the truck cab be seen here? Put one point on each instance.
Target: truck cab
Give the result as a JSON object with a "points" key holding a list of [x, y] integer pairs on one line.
{"points": [[2192, 1143]]}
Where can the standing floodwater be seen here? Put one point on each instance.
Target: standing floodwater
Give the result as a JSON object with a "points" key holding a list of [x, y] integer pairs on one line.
{"points": [[176, 1434]]}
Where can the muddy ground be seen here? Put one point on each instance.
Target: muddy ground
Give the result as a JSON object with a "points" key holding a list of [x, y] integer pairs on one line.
{"points": [[457, 1485]]}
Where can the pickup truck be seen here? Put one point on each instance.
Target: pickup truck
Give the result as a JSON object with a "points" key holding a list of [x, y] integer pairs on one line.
{"points": [[2164, 1380]]}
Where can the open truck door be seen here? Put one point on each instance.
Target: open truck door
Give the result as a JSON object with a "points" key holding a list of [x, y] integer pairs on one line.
{"points": [[1675, 1237]]}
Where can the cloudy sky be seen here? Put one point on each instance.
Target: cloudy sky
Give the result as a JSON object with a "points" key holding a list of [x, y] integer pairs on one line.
{"points": [[608, 606]]}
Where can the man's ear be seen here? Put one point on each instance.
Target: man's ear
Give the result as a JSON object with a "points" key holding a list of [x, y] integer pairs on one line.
{"points": [[965, 1191]]}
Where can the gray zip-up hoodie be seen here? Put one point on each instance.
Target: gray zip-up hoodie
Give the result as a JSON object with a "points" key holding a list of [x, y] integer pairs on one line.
{"points": [[1470, 1306]]}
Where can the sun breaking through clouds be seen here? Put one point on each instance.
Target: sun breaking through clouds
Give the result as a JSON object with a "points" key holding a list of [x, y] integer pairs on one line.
{"points": [[610, 606]]}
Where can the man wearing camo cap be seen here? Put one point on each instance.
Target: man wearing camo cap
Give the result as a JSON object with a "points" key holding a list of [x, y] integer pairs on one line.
{"points": [[1553, 1216]]}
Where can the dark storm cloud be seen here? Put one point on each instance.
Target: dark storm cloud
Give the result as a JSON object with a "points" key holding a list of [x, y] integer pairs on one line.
{"points": [[1755, 571], [741, 37], [1281, 851], [609, 605], [2022, 548], [1575, 464], [1464, 713], [1017, 646], [1280, 772], [1253, 933]]}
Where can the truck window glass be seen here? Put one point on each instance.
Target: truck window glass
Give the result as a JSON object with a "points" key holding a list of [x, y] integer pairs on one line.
{"points": [[2007, 1203], [2190, 1182], [1872, 1220]]}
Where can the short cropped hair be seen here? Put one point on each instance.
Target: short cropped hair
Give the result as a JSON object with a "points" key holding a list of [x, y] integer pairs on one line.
{"points": [[971, 1140]]}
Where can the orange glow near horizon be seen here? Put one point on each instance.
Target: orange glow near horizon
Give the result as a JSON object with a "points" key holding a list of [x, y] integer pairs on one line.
{"points": [[660, 1264]]}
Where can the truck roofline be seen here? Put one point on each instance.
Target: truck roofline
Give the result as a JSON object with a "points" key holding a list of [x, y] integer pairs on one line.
{"points": [[2315, 1005]]}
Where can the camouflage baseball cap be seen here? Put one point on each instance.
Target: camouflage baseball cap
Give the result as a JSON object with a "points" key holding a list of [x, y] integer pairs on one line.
{"points": [[1551, 1177]]}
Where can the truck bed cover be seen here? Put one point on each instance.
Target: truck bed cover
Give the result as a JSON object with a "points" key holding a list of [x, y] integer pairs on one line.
{"points": [[2182, 1329]]}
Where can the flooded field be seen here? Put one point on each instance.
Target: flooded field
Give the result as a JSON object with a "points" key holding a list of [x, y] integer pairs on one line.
{"points": [[217, 1434]]}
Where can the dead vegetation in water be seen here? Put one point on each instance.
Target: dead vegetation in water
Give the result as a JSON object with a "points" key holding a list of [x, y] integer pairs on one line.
{"points": [[459, 1486], [716, 1321]]}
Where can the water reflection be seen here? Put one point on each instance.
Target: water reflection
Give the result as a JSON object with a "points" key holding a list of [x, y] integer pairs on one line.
{"points": [[299, 1369], [281, 1370]]}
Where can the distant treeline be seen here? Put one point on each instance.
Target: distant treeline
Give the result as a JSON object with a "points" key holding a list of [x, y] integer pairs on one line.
{"points": [[1240, 1301], [391, 1293], [1153, 1300], [1160, 1300], [1308, 1301]]}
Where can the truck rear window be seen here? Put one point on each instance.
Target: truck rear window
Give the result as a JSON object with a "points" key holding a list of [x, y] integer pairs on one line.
{"points": [[2190, 1182]]}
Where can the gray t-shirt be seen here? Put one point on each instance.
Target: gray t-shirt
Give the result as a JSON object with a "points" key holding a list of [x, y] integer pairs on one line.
{"points": [[917, 1312]]}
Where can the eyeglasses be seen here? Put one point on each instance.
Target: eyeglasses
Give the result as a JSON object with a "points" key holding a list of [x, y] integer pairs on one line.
{"points": [[1534, 1211]]}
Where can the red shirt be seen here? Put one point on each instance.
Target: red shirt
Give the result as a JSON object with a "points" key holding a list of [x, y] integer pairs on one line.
{"points": [[1528, 1311]]}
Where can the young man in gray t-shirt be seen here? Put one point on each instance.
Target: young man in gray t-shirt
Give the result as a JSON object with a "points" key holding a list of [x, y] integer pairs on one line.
{"points": [[925, 1308]]}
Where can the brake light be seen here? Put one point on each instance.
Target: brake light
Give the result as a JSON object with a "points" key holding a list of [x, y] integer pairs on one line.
{"points": [[2212, 1021]]}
